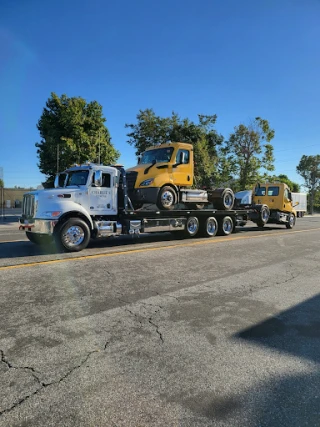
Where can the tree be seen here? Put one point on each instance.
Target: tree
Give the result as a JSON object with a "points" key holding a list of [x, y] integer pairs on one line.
{"points": [[72, 131], [1, 183], [250, 150], [151, 129], [309, 169], [294, 187]]}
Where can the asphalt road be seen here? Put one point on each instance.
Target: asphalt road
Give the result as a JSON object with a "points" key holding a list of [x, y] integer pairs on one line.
{"points": [[162, 332]]}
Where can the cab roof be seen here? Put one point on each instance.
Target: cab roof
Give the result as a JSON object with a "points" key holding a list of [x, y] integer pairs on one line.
{"points": [[171, 144]]}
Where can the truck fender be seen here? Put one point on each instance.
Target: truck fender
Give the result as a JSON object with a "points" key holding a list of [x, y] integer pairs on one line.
{"points": [[80, 213]]}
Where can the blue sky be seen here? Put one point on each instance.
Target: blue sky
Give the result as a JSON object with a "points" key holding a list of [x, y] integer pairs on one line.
{"points": [[237, 59]]}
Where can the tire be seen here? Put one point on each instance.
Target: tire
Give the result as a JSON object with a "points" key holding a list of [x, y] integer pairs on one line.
{"points": [[209, 228], [73, 235], [39, 239], [222, 198], [225, 226], [167, 198], [192, 226], [264, 215], [292, 220]]}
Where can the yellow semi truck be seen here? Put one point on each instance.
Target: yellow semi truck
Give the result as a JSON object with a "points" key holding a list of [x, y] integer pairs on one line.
{"points": [[164, 176], [275, 199]]}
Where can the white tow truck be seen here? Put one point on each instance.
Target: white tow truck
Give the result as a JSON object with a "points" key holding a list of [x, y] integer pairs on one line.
{"points": [[91, 201]]}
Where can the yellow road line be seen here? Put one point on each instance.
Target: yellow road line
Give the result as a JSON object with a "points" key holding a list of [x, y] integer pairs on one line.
{"points": [[135, 251]]}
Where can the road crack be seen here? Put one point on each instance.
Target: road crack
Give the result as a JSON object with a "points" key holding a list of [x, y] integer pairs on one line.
{"points": [[42, 384]]}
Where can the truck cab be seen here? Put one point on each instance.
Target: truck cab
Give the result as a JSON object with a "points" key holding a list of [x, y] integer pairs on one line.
{"points": [[160, 173], [277, 197]]}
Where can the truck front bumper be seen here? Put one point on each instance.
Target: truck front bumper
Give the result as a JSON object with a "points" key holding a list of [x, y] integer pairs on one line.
{"points": [[145, 195], [38, 226]]}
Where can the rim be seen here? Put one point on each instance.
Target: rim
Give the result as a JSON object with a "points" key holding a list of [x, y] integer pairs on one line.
{"points": [[227, 225], [228, 200], [291, 220], [265, 215], [167, 198], [73, 236], [192, 226], [211, 226]]}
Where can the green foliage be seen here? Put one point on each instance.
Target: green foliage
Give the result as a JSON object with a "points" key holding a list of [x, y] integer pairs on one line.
{"points": [[249, 150], [72, 131], [1, 183], [151, 130], [309, 169], [294, 187], [316, 201]]}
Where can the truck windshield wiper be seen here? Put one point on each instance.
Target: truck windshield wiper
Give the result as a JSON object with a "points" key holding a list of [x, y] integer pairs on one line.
{"points": [[149, 167]]}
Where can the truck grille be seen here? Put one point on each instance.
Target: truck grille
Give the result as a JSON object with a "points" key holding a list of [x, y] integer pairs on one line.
{"points": [[131, 180], [28, 206]]}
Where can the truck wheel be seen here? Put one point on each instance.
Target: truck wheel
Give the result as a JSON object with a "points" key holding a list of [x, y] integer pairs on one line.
{"points": [[209, 228], [225, 226], [73, 235], [222, 198], [291, 222], [167, 198], [39, 239], [192, 226], [264, 216]]}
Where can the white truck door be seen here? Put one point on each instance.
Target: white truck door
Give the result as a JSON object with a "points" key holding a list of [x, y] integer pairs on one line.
{"points": [[103, 200]]}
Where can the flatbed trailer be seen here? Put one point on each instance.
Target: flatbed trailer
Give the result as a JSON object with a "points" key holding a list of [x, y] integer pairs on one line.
{"points": [[203, 222]]}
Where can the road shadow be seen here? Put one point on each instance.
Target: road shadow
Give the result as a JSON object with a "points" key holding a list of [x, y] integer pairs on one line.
{"points": [[288, 399], [295, 331], [27, 249], [8, 219]]}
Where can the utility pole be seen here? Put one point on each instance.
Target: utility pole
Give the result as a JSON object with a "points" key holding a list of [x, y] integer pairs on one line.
{"points": [[99, 148], [58, 158], [2, 193]]}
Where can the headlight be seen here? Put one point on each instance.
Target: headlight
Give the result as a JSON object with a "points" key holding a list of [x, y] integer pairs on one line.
{"points": [[147, 182], [51, 214]]}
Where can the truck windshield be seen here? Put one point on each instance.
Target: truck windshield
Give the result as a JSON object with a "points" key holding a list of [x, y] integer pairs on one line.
{"points": [[77, 178], [160, 155]]}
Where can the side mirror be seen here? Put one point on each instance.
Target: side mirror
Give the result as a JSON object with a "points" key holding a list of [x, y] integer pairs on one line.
{"points": [[59, 180], [98, 178], [296, 204]]}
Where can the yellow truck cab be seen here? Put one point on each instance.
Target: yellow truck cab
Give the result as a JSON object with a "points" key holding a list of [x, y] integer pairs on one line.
{"points": [[164, 176], [160, 173], [277, 197]]}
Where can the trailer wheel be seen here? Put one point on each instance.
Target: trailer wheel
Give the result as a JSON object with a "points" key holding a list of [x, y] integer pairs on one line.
{"points": [[210, 227], [73, 235], [291, 222], [192, 226], [225, 226], [39, 239], [167, 198]]}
